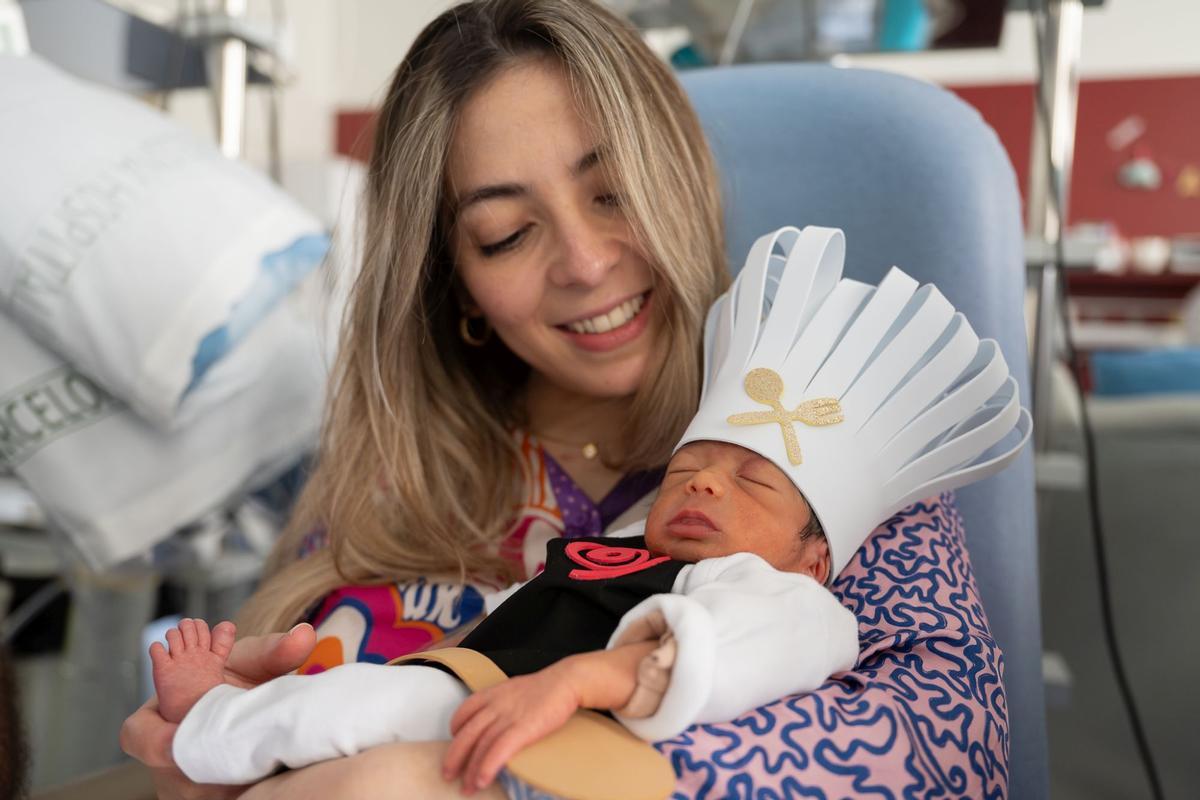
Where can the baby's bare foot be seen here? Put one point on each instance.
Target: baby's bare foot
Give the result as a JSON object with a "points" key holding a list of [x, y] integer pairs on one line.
{"points": [[195, 664]]}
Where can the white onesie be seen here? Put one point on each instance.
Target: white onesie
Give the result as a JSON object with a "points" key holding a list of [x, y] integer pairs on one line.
{"points": [[746, 634]]}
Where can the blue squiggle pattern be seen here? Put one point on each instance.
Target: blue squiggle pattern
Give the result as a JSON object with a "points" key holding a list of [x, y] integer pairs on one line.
{"points": [[922, 716]]}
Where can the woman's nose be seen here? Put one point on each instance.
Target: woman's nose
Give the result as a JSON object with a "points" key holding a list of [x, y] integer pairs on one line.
{"points": [[589, 250], [706, 481]]}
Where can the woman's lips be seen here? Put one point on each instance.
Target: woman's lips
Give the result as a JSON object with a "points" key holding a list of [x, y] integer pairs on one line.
{"points": [[691, 524], [611, 340]]}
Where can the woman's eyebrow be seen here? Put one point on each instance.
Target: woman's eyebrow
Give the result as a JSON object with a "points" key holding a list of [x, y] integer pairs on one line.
{"points": [[508, 190], [587, 162], [492, 192]]}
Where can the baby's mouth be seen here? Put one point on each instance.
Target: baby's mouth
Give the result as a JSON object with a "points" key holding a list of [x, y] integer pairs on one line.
{"points": [[692, 524]]}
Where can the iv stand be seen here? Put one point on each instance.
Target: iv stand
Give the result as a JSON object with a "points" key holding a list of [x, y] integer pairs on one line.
{"points": [[1047, 205], [229, 42]]}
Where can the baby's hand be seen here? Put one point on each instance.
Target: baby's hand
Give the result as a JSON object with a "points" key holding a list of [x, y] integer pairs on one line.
{"points": [[492, 726]]}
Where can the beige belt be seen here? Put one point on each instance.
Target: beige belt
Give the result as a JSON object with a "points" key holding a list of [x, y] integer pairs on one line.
{"points": [[592, 757]]}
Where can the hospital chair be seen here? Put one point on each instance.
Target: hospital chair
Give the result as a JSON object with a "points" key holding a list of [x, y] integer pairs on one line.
{"points": [[917, 180]]}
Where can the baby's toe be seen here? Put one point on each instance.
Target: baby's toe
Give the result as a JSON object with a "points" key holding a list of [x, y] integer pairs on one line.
{"points": [[223, 637], [175, 641], [158, 655], [203, 638], [187, 627]]}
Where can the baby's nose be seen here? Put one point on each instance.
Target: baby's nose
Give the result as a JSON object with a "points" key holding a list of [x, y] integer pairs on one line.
{"points": [[706, 482]]}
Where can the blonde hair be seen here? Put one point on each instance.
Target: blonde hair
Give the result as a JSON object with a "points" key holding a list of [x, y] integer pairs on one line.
{"points": [[417, 471]]}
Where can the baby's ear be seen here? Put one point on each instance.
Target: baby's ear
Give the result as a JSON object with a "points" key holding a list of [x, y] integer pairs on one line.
{"points": [[819, 560]]}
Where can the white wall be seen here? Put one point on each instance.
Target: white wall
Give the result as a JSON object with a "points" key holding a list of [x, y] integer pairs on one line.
{"points": [[372, 37], [342, 53], [345, 50]]}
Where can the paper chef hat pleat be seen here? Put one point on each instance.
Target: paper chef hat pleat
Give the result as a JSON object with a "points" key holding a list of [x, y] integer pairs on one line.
{"points": [[868, 397]]}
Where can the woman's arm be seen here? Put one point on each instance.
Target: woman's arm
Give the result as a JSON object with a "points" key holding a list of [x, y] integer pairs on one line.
{"points": [[389, 772]]}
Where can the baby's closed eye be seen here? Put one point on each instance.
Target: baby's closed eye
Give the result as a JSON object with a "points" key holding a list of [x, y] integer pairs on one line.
{"points": [[757, 480]]}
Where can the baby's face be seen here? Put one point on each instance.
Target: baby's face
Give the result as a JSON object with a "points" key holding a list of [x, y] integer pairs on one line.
{"points": [[718, 499]]}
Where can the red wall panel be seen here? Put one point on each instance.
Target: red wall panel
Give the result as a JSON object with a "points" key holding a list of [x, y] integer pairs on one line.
{"points": [[1170, 108]]}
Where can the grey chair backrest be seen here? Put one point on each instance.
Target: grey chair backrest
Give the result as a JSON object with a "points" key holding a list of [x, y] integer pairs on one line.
{"points": [[916, 179]]}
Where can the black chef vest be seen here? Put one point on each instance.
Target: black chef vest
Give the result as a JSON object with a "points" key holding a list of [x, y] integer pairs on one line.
{"points": [[574, 604]]}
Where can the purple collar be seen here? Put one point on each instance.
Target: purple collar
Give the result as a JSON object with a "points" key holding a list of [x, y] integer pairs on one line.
{"points": [[582, 517]]}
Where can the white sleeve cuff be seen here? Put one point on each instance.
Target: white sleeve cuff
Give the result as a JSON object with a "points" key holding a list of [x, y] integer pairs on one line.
{"points": [[692, 675], [746, 634]]}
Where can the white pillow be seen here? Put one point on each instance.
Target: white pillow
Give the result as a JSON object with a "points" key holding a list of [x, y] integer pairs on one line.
{"points": [[131, 248], [115, 484]]}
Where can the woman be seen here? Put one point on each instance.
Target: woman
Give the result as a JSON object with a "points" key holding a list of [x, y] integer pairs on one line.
{"points": [[520, 353], [500, 227], [504, 230]]}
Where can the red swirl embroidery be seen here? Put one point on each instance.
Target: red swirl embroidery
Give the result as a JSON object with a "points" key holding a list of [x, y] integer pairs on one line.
{"points": [[602, 561]]}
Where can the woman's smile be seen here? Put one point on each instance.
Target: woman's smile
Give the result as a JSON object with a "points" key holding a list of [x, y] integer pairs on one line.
{"points": [[609, 329]]}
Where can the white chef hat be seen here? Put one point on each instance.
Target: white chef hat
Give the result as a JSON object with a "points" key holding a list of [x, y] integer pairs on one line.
{"points": [[868, 398]]}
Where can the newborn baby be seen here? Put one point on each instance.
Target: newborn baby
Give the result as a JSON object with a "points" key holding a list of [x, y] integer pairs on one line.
{"points": [[865, 398], [720, 608]]}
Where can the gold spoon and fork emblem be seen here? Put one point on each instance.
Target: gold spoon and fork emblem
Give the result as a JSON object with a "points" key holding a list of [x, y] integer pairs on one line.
{"points": [[766, 386]]}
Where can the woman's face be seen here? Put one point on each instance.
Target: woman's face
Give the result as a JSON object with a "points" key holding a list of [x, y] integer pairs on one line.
{"points": [[540, 240]]}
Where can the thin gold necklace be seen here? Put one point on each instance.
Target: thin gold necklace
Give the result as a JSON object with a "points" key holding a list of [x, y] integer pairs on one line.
{"points": [[588, 450]]}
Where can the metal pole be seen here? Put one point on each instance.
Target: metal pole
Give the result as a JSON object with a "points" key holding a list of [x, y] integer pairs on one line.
{"points": [[230, 56], [1049, 184], [737, 29], [275, 158]]}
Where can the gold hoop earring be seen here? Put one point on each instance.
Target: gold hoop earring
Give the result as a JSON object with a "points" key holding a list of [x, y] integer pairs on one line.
{"points": [[471, 338]]}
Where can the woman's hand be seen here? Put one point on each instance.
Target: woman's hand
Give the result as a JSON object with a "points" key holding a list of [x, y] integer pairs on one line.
{"points": [[147, 737], [492, 726]]}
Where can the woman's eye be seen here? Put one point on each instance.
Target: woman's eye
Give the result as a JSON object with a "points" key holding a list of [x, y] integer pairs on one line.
{"points": [[610, 199], [504, 244]]}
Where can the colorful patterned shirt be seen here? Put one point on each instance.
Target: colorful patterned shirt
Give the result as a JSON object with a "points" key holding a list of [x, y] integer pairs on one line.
{"points": [[380, 622]]}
